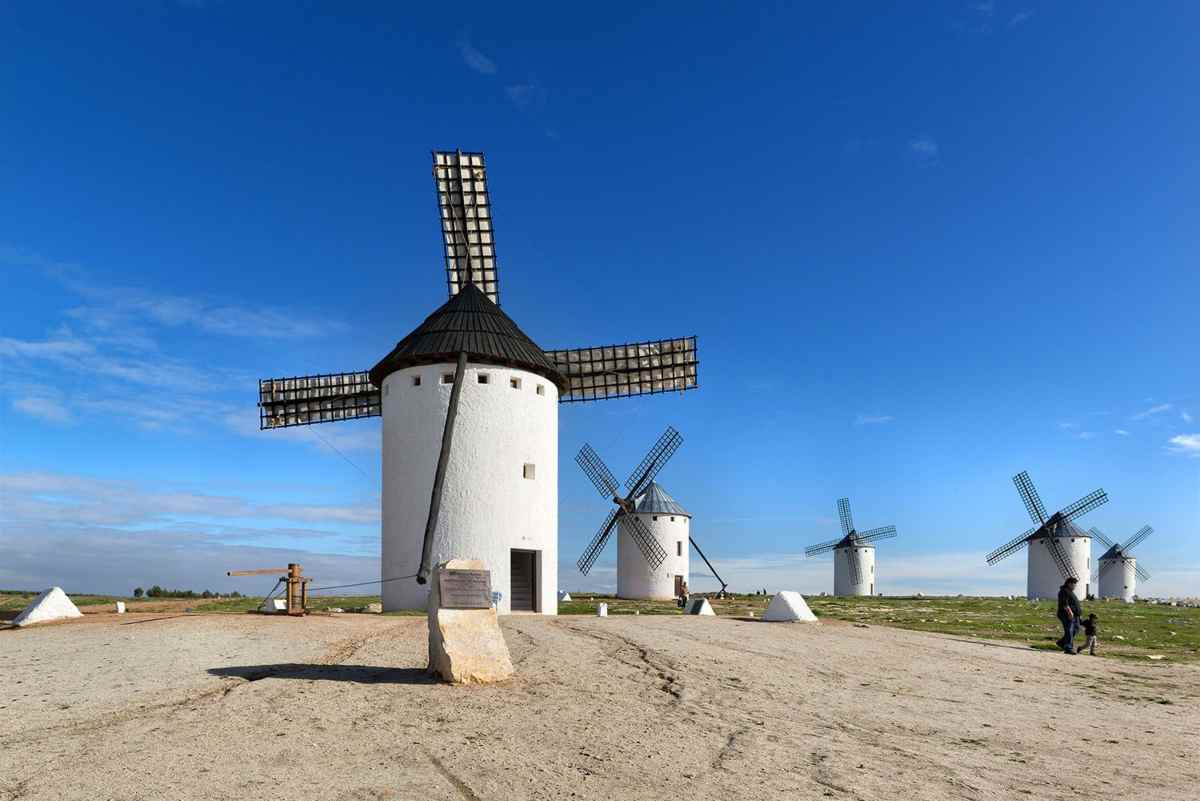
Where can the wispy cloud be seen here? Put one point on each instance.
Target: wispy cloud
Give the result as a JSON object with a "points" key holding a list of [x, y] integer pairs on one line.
{"points": [[1187, 444], [1020, 18], [1120, 432], [1067, 426], [42, 408], [873, 419], [474, 59], [984, 8], [1185, 415], [1085, 435], [526, 96], [924, 149], [1152, 411]]}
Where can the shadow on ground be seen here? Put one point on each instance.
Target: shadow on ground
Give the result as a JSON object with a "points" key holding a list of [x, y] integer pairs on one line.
{"points": [[361, 674]]}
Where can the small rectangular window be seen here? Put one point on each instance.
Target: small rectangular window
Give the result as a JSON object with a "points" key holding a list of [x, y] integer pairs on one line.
{"points": [[656, 517], [447, 378], [672, 520], [528, 470], [515, 383], [416, 380], [541, 390], [679, 547], [483, 378]]}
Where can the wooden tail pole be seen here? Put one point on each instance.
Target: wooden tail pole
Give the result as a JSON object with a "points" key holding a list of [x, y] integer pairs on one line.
{"points": [[297, 584], [439, 477]]}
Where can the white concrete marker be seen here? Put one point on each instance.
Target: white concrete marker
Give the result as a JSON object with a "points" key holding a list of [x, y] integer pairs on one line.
{"points": [[699, 606], [602, 610], [564, 596], [120, 607], [53, 604], [789, 606], [273, 606]]}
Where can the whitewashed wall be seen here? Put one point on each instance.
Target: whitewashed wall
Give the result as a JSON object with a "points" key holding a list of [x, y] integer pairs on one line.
{"points": [[843, 577], [1119, 579], [635, 578], [1044, 578], [488, 507]]}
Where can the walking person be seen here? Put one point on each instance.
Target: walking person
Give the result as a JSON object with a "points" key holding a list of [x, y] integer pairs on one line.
{"points": [[1069, 614], [1089, 629]]}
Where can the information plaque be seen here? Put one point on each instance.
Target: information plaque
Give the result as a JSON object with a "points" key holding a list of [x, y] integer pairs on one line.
{"points": [[465, 589]]}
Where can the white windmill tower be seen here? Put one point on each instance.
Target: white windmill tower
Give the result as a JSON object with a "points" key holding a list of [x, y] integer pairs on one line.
{"points": [[654, 530], [1119, 572], [470, 416], [1058, 549], [853, 554]]}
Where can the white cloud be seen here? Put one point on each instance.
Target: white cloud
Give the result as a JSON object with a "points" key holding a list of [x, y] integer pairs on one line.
{"points": [[1188, 444], [924, 149], [526, 95], [42, 408], [475, 59], [1086, 435], [984, 8], [1185, 415], [1068, 426], [1152, 411], [1020, 18], [1120, 432], [873, 419]]}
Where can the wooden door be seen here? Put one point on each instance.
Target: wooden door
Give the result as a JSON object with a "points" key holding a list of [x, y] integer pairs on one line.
{"points": [[678, 586], [523, 581]]}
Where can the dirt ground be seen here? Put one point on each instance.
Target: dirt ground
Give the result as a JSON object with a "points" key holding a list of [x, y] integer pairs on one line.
{"points": [[163, 706]]}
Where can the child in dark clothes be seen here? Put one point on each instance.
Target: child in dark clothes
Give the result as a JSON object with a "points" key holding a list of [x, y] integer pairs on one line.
{"points": [[1089, 628]]}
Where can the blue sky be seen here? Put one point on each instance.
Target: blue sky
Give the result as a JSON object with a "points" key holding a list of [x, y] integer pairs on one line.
{"points": [[923, 249]]}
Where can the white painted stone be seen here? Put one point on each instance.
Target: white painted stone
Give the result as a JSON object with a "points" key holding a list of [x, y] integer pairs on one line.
{"points": [[635, 578], [466, 646], [120, 607], [1044, 577], [699, 606], [843, 580], [602, 610], [488, 506], [564, 596], [1118, 578], [273, 606], [53, 604], [374, 608], [789, 606]]}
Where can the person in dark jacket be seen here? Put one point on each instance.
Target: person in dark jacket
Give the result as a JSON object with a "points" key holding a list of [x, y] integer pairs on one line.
{"points": [[1069, 614], [1089, 630]]}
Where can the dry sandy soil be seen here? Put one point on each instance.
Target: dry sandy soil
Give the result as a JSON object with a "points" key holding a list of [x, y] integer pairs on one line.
{"points": [[338, 707]]}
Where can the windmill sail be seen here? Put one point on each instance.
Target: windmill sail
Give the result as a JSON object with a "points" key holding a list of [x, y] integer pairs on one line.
{"points": [[466, 213], [620, 371], [305, 400]]}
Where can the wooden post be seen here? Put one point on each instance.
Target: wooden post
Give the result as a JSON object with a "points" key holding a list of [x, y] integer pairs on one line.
{"points": [[439, 476]]}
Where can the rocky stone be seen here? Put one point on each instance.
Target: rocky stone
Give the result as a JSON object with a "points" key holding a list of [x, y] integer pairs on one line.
{"points": [[374, 609], [466, 646]]}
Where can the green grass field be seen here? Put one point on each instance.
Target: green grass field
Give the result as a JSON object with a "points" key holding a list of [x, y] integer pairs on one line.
{"points": [[1127, 631]]}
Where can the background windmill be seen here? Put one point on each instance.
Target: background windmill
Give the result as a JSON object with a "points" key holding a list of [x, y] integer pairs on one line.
{"points": [[1057, 547], [470, 415], [1118, 572], [654, 530], [853, 554]]}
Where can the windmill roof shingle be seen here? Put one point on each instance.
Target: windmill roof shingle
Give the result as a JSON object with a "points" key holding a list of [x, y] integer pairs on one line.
{"points": [[656, 500], [469, 322]]}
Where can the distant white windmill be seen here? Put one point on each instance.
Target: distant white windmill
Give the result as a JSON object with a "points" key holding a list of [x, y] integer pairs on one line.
{"points": [[1119, 572], [853, 554]]}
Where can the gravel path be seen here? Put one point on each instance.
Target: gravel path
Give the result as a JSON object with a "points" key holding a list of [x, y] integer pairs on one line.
{"points": [[338, 707]]}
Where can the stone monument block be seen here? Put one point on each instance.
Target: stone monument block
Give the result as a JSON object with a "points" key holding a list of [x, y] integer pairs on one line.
{"points": [[465, 642]]}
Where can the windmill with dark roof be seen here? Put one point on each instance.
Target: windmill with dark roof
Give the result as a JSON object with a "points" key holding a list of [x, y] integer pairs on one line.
{"points": [[1118, 571], [470, 416], [853, 554]]}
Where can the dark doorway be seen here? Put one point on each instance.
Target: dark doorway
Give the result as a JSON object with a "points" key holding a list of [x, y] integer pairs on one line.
{"points": [[678, 586], [523, 580]]}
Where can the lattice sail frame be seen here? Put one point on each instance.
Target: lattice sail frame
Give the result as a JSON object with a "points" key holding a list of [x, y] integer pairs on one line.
{"points": [[636, 368], [328, 398], [465, 209]]}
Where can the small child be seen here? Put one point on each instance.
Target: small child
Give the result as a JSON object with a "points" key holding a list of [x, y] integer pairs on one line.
{"points": [[1089, 628]]}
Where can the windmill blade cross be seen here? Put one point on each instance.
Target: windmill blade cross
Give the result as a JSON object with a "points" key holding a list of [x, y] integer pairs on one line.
{"points": [[1085, 504], [822, 547], [1029, 495], [1097, 534], [592, 552], [844, 515], [1141, 574], [881, 533], [1105, 566], [647, 544], [1009, 548], [597, 471], [1137, 539], [654, 461]]}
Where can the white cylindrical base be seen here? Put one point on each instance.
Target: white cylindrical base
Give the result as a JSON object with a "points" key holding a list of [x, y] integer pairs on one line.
{"points": [[843, 576], [1044, 577], [1118, 578], [635, 578], [500, 495]]}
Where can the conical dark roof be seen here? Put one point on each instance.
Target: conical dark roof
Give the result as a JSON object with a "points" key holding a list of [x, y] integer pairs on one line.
{"points": [[468, 322]]}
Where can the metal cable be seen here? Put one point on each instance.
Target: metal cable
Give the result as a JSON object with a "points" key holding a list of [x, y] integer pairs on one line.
{"points": [[360, 583]]}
